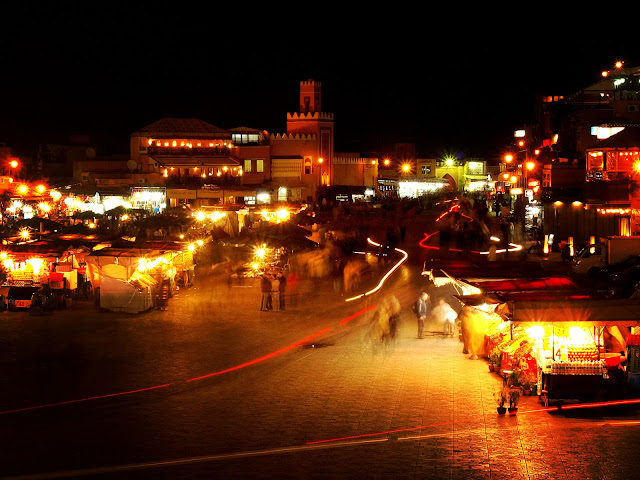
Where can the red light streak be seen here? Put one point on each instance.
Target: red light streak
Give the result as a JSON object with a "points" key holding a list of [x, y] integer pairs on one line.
{"points": [[261, 359], [357, 314], [84, 399], [387, 432], [220, 372], [599, 404]]}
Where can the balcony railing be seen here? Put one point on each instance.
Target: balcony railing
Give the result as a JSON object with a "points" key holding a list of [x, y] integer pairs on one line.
{"points": [[175, 181], [195, 151]]}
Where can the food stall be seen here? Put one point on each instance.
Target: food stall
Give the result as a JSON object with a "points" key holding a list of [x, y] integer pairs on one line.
{"points": [[43, 264], [569, 343], [133, 280]]}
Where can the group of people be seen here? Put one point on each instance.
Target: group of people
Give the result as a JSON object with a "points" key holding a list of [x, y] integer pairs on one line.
{"points": [[273, 287], [442, 311], [384, 323]]}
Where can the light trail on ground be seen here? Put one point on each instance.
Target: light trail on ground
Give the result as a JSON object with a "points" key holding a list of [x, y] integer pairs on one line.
{"points": [[97, 397], [212, 374], [84, 472], [263, 358], [405, 255]]}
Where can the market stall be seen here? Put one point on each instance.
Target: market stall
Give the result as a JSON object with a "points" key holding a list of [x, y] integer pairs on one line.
{"points": [[576, 344], [134, 280], [44, 264]]}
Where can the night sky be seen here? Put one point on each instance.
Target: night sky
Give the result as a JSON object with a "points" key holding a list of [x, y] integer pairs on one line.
{"points": [[106, 69]]}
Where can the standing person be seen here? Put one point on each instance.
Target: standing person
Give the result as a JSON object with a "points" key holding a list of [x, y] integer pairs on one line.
{"points": [[420, 309], [282, 288], [275, 293], [265, 287]]}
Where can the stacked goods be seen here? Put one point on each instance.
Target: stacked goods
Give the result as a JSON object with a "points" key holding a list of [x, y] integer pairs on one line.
{"points": [[495, 335], [518, 350], [579, 353]]}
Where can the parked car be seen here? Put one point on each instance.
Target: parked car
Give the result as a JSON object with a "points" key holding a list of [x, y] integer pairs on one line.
{"points": [[625, 282], [625, 264], [42, 301], [20, 297]]}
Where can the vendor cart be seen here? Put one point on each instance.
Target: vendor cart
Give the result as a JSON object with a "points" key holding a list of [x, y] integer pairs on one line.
{"points": [[573, 363]]}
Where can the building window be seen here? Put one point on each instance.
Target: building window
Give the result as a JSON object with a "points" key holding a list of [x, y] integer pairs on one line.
{"points": [[426, 169], [307, 166], [245, 138], [260, 166], [247, 166]]}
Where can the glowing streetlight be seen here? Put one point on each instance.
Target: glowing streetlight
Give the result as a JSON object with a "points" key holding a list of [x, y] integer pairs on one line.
{"points": [[530, 166], [508, 158], [23, 189]]}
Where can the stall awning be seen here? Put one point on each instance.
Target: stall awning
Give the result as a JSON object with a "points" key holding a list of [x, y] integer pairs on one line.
{"points": [[619, 312]]}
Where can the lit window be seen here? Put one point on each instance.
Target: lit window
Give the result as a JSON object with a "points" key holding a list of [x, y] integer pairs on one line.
{"points": [[259, 166], [247, 166]]}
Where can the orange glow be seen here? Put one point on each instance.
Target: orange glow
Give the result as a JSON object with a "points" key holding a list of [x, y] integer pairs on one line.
{"points": [[23, 189], [508, 158], [505, 176], [13, 164], [536, 151], [320, 160], [618, 64], [387, 161], [530, 165], [605, 74], [521, 143], [41, 188]]}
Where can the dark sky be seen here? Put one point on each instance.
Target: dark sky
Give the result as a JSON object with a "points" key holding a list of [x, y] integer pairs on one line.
{"points": [[107, 69]]}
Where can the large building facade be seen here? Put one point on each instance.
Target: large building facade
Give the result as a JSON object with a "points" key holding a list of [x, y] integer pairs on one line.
{"points": [[202, 164]]}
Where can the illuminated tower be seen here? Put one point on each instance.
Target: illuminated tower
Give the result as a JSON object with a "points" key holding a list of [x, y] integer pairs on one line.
{"points": [[310, 97], [311, 121]]}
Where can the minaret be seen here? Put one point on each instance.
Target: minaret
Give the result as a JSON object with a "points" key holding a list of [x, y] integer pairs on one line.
{"points": [[310, 97], [311, 121]]}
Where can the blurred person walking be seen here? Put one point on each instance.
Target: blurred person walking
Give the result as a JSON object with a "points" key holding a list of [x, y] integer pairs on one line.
{"points": [[420, 309], [282, 287], [393, 307], [445, 313]]}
